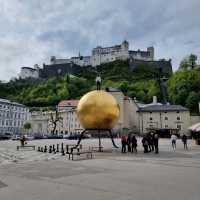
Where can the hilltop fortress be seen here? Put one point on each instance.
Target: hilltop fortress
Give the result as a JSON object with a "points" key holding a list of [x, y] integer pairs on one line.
{"points": [[99, 55]]}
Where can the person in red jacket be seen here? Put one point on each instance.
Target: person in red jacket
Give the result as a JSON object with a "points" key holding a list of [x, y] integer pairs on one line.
{"points": [[23, 140]]}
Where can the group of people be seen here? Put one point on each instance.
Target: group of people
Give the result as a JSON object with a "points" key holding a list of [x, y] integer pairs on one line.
{"points": [[149, 142], [184, 140], [129, 142]]}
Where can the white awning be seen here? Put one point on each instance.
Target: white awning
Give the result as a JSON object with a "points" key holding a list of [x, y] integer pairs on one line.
{"points": [[195, 127]]}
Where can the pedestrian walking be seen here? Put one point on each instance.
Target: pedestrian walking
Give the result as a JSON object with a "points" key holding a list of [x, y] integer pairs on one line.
{"points": [[145, 144], [152, 141], [173, 140], [184, 140], [124, 142], [129, 142], [155, 141], [133, 144]]}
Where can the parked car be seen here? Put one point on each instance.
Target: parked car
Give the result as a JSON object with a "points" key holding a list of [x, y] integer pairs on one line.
{"points": [[54, 137], [29, 138], [66, 136], [5, 136], [15, 137]]}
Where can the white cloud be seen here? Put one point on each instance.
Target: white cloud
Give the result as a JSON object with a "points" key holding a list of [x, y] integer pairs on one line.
{"points": [[32, 31]]}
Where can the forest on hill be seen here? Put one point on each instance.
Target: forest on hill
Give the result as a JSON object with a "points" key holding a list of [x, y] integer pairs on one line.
{"points": [[183, 87]]}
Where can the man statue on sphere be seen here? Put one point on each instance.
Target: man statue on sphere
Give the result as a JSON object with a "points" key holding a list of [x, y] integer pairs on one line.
{"points": [[98, 82]]}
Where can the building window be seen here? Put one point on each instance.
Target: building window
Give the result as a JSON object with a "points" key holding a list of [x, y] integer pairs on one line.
{"points": [[179, 126], [166, 126], [178, 118], [151, 118], [166, 118]]}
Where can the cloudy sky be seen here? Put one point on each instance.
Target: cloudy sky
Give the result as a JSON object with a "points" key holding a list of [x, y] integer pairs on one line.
{"points": [[34, 30]]}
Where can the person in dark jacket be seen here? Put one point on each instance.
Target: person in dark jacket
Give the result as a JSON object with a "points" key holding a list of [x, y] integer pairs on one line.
{"points": [[129, 142], [133, 144], [155, 141], [145, 144], [124, 142], [150, 142], [184, 139]]}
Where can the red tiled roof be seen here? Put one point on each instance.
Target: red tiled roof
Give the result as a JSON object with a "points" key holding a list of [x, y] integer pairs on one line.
{"points": [[68, 103]]}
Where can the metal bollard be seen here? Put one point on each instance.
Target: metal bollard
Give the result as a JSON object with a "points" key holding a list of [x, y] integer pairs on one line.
{"points": [[67, 149], [57, 150], [62, 149], [45, 149], [50, 149]]}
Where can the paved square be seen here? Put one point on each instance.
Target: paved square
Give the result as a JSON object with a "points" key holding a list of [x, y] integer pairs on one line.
{"points": [[32, 175]]}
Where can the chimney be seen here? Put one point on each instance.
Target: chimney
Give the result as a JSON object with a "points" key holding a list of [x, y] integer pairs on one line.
{"points": [[154, 99]]}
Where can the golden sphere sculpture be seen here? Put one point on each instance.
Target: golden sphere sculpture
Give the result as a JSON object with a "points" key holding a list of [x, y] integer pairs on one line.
{"points": [[98, 110]]}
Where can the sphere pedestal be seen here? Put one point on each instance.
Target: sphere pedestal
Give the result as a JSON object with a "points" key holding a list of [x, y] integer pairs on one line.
{"points": [[99, 136]]}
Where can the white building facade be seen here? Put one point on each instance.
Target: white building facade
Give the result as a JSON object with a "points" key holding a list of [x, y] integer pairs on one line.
{"points": [[164, 117], [102, 55], [79, 60], [68, 123], [12, 117], [28, 72], [40, 123]]}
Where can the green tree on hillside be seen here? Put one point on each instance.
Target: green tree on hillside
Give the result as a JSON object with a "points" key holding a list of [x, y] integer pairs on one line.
{"points": [[184, 87], [189, 62]]}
